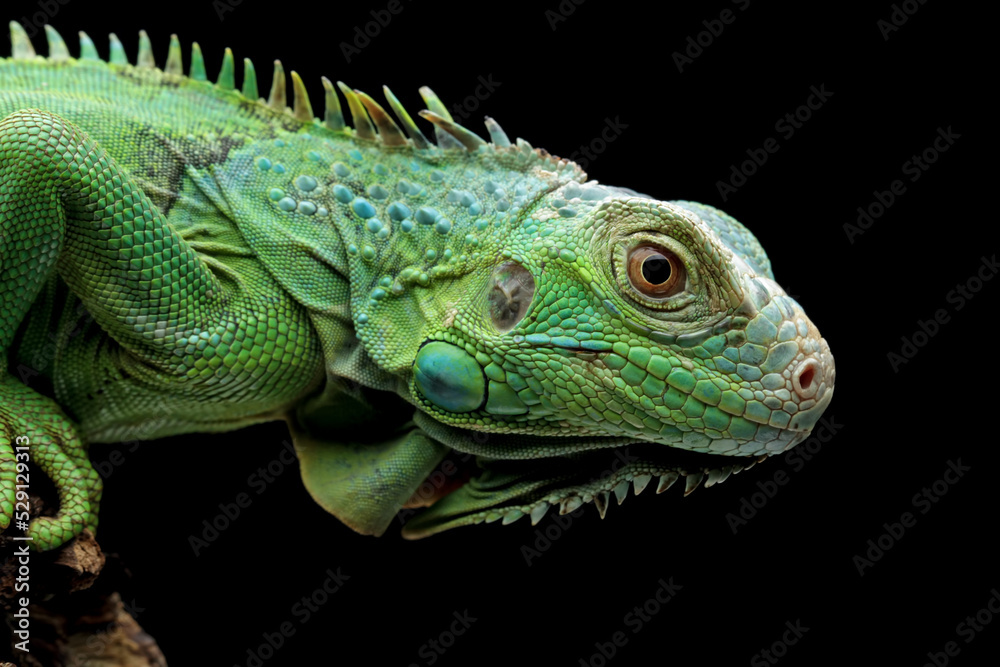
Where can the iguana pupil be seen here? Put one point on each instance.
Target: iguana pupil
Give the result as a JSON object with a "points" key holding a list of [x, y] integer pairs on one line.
{"points": [[656, 270]]}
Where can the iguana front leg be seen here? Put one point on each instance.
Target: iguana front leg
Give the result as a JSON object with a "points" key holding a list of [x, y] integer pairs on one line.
{"points": [[29, 246], [34, 431], [229, 347]]}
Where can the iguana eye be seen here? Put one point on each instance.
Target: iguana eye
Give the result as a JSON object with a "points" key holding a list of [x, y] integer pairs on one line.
{"points": [[655, 272]]}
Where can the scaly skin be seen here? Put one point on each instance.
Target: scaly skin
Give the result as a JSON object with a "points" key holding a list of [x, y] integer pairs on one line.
{"points": [[176, 256]]}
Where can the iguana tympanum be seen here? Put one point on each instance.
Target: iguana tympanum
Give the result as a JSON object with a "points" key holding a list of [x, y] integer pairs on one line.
{"points": [[179, 256]]}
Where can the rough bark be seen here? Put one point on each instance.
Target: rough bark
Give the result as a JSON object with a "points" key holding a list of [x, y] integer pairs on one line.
{"points": [[77, 615]]}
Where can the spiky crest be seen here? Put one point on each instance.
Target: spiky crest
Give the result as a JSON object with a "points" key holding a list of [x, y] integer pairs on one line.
{"points": [[371, 121]]}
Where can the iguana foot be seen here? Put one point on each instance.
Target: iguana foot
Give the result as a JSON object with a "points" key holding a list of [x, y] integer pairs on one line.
{"points": [[36, 436]]}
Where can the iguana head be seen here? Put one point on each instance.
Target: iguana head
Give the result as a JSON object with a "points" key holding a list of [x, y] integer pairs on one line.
{"points": [[564, 338], [615, 339]]}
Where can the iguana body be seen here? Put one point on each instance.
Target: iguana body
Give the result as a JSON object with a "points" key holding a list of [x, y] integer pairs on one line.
{"points": [[177, 256]]}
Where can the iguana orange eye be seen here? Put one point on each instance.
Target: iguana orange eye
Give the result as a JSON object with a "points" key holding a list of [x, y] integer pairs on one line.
{"points": [[656, 272]]}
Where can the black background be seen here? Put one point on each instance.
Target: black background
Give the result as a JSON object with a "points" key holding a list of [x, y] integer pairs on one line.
{"points": [[681, 133]]}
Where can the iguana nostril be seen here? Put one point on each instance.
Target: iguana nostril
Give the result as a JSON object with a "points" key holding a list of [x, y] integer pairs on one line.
{"points": [[807, 378]]}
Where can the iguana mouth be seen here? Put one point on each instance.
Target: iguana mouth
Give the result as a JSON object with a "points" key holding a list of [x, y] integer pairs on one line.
{"points": [[485, 490], [449, 476]]}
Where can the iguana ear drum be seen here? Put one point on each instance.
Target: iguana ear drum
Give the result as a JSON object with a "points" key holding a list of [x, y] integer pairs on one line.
{"points": [[511, 289]]}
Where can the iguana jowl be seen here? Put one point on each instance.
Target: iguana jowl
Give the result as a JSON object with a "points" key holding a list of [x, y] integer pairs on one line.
{"points": [[178, 256]]}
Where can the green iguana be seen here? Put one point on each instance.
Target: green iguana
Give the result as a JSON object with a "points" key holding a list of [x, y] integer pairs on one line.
{"points": [[180, 256]]}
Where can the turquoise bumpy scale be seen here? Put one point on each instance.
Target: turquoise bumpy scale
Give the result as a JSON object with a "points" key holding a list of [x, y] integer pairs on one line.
{"points": [[178, 256]]}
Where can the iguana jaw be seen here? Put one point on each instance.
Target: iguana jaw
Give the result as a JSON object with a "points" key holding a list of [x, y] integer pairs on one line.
{"points": [[507, 490]]}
